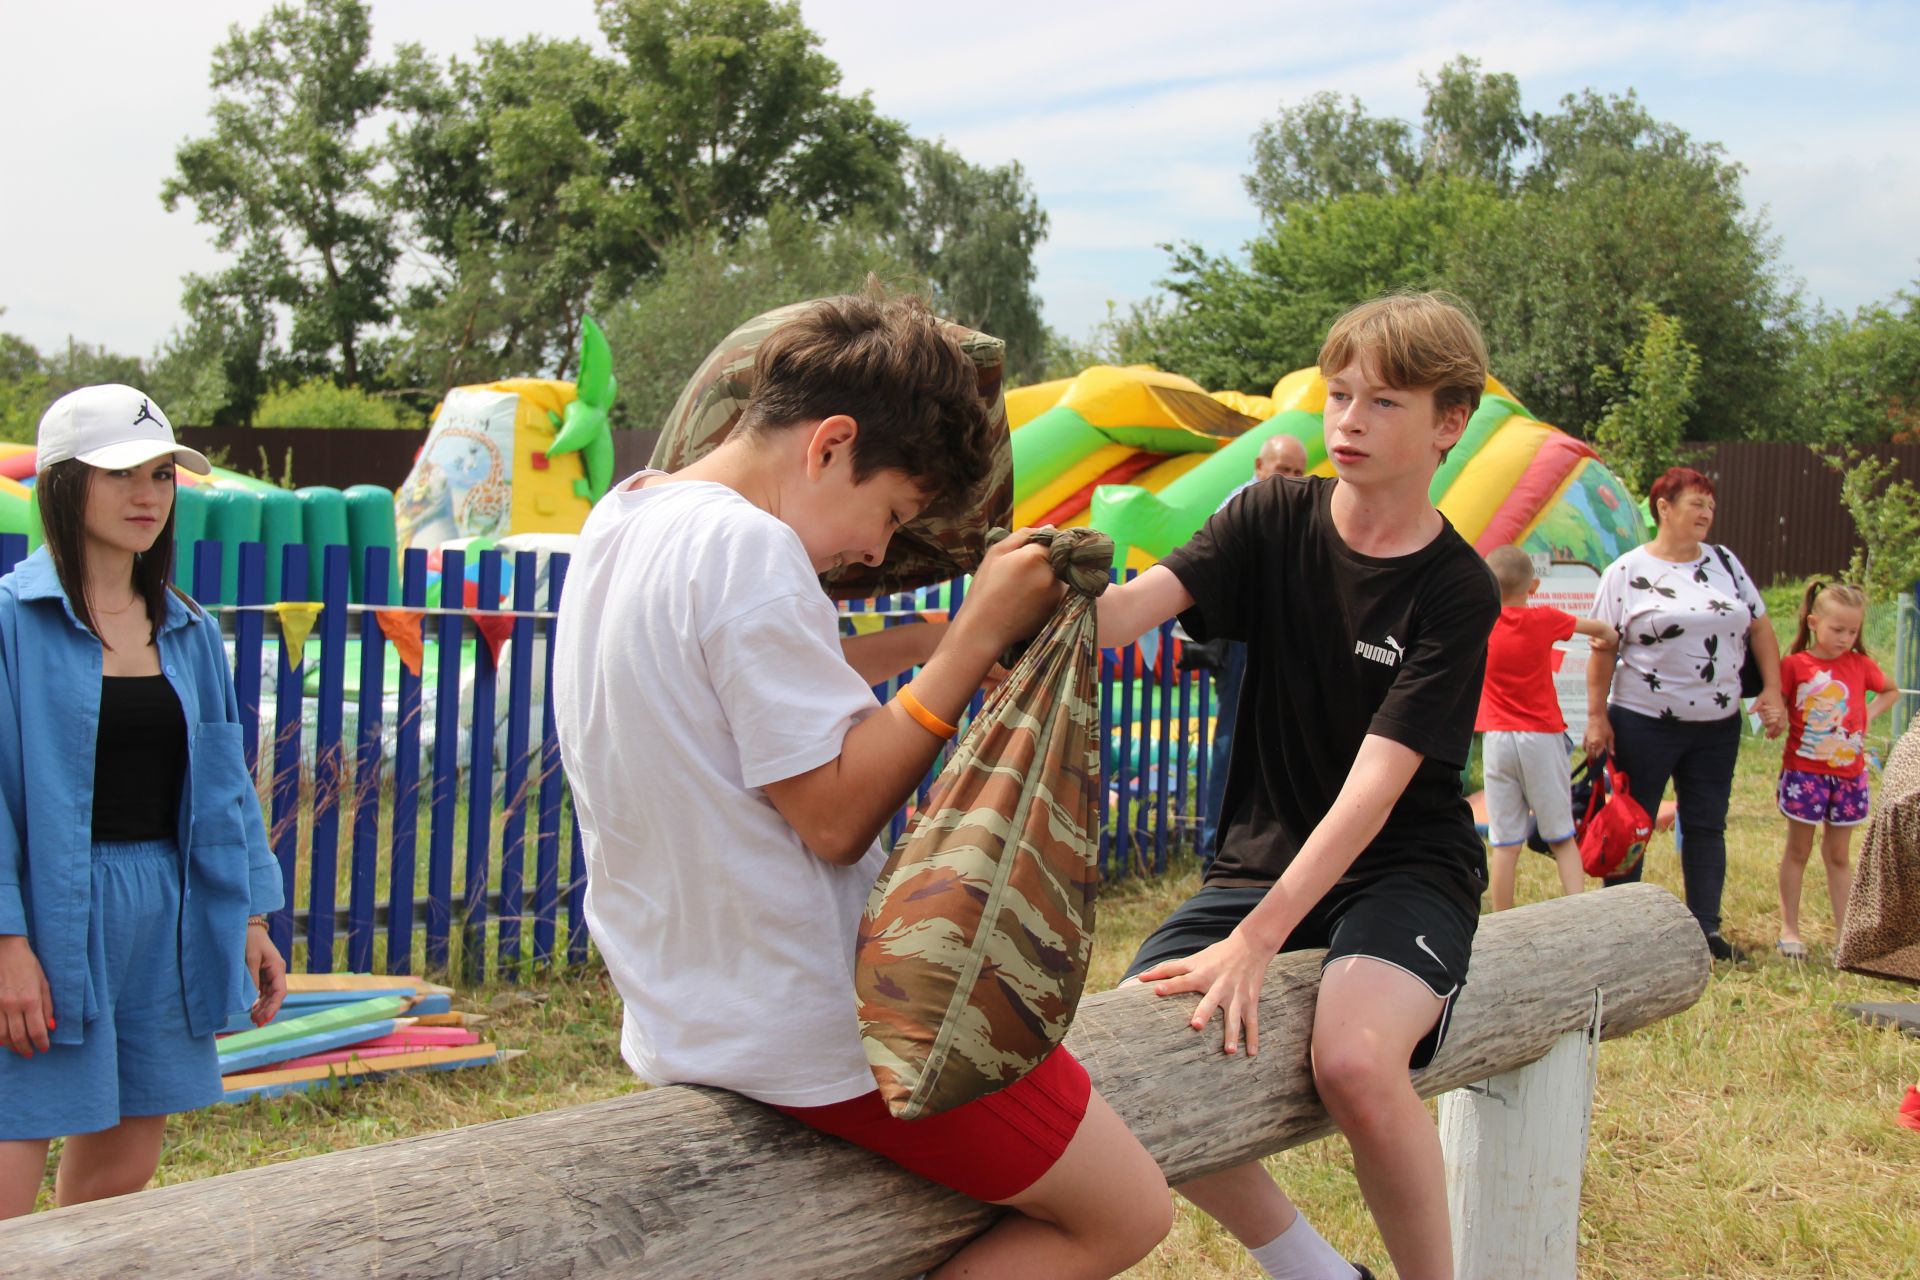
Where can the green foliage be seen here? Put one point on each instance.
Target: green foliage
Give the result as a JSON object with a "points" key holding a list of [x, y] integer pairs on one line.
{"points": [[706, 286], [1858, 377], [30, 381], [540, 177], [1557, 229], [1230, 325], [321, 402], [1641, 429], [286, 180], [972, 232], [1326, 147], [1623, 211], [1886, 516], [545, 174]]}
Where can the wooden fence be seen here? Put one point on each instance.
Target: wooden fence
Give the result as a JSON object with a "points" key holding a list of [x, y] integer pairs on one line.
{"points": [[387, 795]]}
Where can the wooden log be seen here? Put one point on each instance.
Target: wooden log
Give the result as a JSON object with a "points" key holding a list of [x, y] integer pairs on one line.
{"points": [[697, 1182]]}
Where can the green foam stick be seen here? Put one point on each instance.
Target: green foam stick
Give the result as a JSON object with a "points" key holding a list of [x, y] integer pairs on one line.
{"points": [[346, 1015]]}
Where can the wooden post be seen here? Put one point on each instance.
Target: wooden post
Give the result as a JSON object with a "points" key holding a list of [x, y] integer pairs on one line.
{"points": [[696, 1182], [1515, 1147]]}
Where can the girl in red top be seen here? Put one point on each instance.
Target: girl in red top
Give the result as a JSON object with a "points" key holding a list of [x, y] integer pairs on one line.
{"points": [[1826, 677]]}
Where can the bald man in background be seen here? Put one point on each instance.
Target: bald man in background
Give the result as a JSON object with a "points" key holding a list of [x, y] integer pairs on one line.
{"points": [[1280, 455]]}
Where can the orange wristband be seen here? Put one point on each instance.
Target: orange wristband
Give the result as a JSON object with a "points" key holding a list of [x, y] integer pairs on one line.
{"points": [[932, 723]]}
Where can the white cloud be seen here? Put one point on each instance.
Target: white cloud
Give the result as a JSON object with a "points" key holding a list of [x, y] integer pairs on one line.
{"points": [[1131, 119]]}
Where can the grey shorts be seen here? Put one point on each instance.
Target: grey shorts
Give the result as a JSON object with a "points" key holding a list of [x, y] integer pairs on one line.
{"points": [[1526, 773]]}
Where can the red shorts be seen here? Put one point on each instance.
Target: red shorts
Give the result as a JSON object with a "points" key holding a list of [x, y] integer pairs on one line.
{"points": [[992, 1148]]}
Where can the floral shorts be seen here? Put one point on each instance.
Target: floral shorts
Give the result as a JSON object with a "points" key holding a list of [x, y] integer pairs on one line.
{"points": [[1821, 797]]}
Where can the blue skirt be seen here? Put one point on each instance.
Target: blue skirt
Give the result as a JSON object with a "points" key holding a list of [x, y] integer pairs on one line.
{"points": [[136, 1057]]}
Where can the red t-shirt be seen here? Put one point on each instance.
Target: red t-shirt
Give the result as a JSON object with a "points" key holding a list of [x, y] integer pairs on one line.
{"points": [[1518, 693], [1827, 711]]}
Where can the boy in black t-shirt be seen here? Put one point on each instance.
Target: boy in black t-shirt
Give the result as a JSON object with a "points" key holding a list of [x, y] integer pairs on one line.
{"points": [[1366, 619]]}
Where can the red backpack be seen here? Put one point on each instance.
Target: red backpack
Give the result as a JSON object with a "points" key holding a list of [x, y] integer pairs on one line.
{"points": [[1615, 830]]}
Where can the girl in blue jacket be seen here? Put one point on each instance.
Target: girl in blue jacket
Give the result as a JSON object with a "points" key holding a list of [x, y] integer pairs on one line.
{"points": [[135, 876]]}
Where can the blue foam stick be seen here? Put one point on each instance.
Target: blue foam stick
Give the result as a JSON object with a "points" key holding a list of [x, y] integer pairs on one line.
{"points": [[320, 1042], [305, 1086], [311, 1001]]}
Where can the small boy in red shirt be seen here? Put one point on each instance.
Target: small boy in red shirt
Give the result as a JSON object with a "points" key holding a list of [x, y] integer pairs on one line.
{"points": [[1524, 750]]}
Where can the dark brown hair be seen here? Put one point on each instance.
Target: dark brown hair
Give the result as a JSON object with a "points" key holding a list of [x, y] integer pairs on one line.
{"points": [[1673, 482], [893, 367], [1413, 341], [1842, 593], [62, 491]]}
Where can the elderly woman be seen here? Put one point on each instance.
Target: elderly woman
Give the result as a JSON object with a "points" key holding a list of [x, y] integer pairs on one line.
{"points": [[1687, 613]]}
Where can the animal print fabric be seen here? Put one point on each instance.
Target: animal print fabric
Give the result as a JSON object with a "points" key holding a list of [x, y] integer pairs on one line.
{"points": [[1881, 937], [973, 949], [928, 550]]}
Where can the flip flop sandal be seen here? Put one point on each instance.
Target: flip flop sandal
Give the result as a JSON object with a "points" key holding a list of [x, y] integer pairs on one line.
{"points": [[1791, 950]]}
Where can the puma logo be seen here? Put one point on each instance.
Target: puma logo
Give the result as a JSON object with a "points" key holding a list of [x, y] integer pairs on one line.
{"points": [[1380, 653], [146, 414]]}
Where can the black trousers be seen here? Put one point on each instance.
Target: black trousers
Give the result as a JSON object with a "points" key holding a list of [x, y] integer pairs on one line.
{"points": [[1698, 755]]}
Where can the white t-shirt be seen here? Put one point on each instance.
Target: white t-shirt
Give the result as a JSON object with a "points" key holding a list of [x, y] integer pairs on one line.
{"points": [[696, 660], [1683, 632]]}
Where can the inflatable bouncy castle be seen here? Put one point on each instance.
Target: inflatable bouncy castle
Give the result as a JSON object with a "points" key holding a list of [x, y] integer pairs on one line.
{"points": [[1146, 457]]}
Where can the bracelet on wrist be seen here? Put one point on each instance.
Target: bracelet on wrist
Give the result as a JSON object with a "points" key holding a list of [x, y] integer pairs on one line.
{"points": [[932, 723]]}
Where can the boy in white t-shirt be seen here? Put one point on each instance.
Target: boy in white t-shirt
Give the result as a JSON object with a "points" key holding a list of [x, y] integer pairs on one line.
{"points": [[732, 771]]}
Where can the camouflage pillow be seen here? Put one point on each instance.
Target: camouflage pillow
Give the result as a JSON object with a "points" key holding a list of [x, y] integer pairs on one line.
{"points": [[925, 551], [974, 946]]}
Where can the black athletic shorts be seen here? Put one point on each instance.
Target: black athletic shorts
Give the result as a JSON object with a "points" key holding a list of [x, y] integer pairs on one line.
{"points": [[1404, 921]]}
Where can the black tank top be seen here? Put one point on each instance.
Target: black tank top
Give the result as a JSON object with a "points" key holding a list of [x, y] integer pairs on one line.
{"points": [[139, 759]]}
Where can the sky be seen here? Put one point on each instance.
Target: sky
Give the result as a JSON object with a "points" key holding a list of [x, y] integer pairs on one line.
{"points": [[1133, 128]]}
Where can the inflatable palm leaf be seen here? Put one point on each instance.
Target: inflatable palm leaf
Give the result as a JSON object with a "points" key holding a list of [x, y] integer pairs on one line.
{"points": [[974, 946]]}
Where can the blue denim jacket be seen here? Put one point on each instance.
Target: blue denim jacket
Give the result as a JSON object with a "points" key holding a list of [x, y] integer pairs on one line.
{"points": [[50, 670]]}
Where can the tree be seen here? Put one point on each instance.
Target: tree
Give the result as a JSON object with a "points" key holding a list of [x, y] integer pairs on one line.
{"points": [[544, 174], [1326, 147], [1473, 126], [1557, 229], [1640, 431], [972, 232], [729, 109], [706, 286], [1229, 325], [30, 380], [1886, 516], [1858, 378], [504, 168], [1623, 211], [320, 402], [285, 177]]}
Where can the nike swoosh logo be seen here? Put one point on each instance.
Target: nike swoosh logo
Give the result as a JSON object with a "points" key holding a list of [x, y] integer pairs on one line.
{"points": [[1421, 942]]}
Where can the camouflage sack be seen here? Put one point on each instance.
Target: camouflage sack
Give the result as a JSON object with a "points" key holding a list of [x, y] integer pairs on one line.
{"points": [[925, 551], [973, 949]]}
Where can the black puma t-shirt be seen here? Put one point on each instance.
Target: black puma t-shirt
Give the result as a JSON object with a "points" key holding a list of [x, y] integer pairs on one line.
{"points": [[1340, 645]]}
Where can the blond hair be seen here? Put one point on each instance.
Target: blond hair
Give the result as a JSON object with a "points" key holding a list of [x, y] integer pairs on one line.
{"points": [[1841, 593], [1413, 341], [1512, 569]]}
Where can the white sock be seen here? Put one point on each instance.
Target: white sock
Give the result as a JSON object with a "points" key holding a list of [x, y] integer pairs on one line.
{"points": [[1299, 1253]]}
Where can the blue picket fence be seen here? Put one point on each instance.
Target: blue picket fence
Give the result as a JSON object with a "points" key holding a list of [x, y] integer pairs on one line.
{"points": [[492, 730]]}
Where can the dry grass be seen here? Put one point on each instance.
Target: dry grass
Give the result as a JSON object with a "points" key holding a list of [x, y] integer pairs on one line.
{"points": [[1752, 1136]]}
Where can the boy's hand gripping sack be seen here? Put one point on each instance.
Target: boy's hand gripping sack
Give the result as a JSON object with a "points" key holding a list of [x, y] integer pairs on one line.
{"points": [[973, 949], [1614, 834]]}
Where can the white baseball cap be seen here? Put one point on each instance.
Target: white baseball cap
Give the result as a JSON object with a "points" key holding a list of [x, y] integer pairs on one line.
{"points": [[111, 426]]}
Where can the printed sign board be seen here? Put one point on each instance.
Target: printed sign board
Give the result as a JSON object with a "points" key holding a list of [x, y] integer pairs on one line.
{"points": [[1568, 586]]}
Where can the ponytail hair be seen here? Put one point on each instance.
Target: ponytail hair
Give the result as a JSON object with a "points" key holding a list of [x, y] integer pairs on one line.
{"points": [[1840, 593]]}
